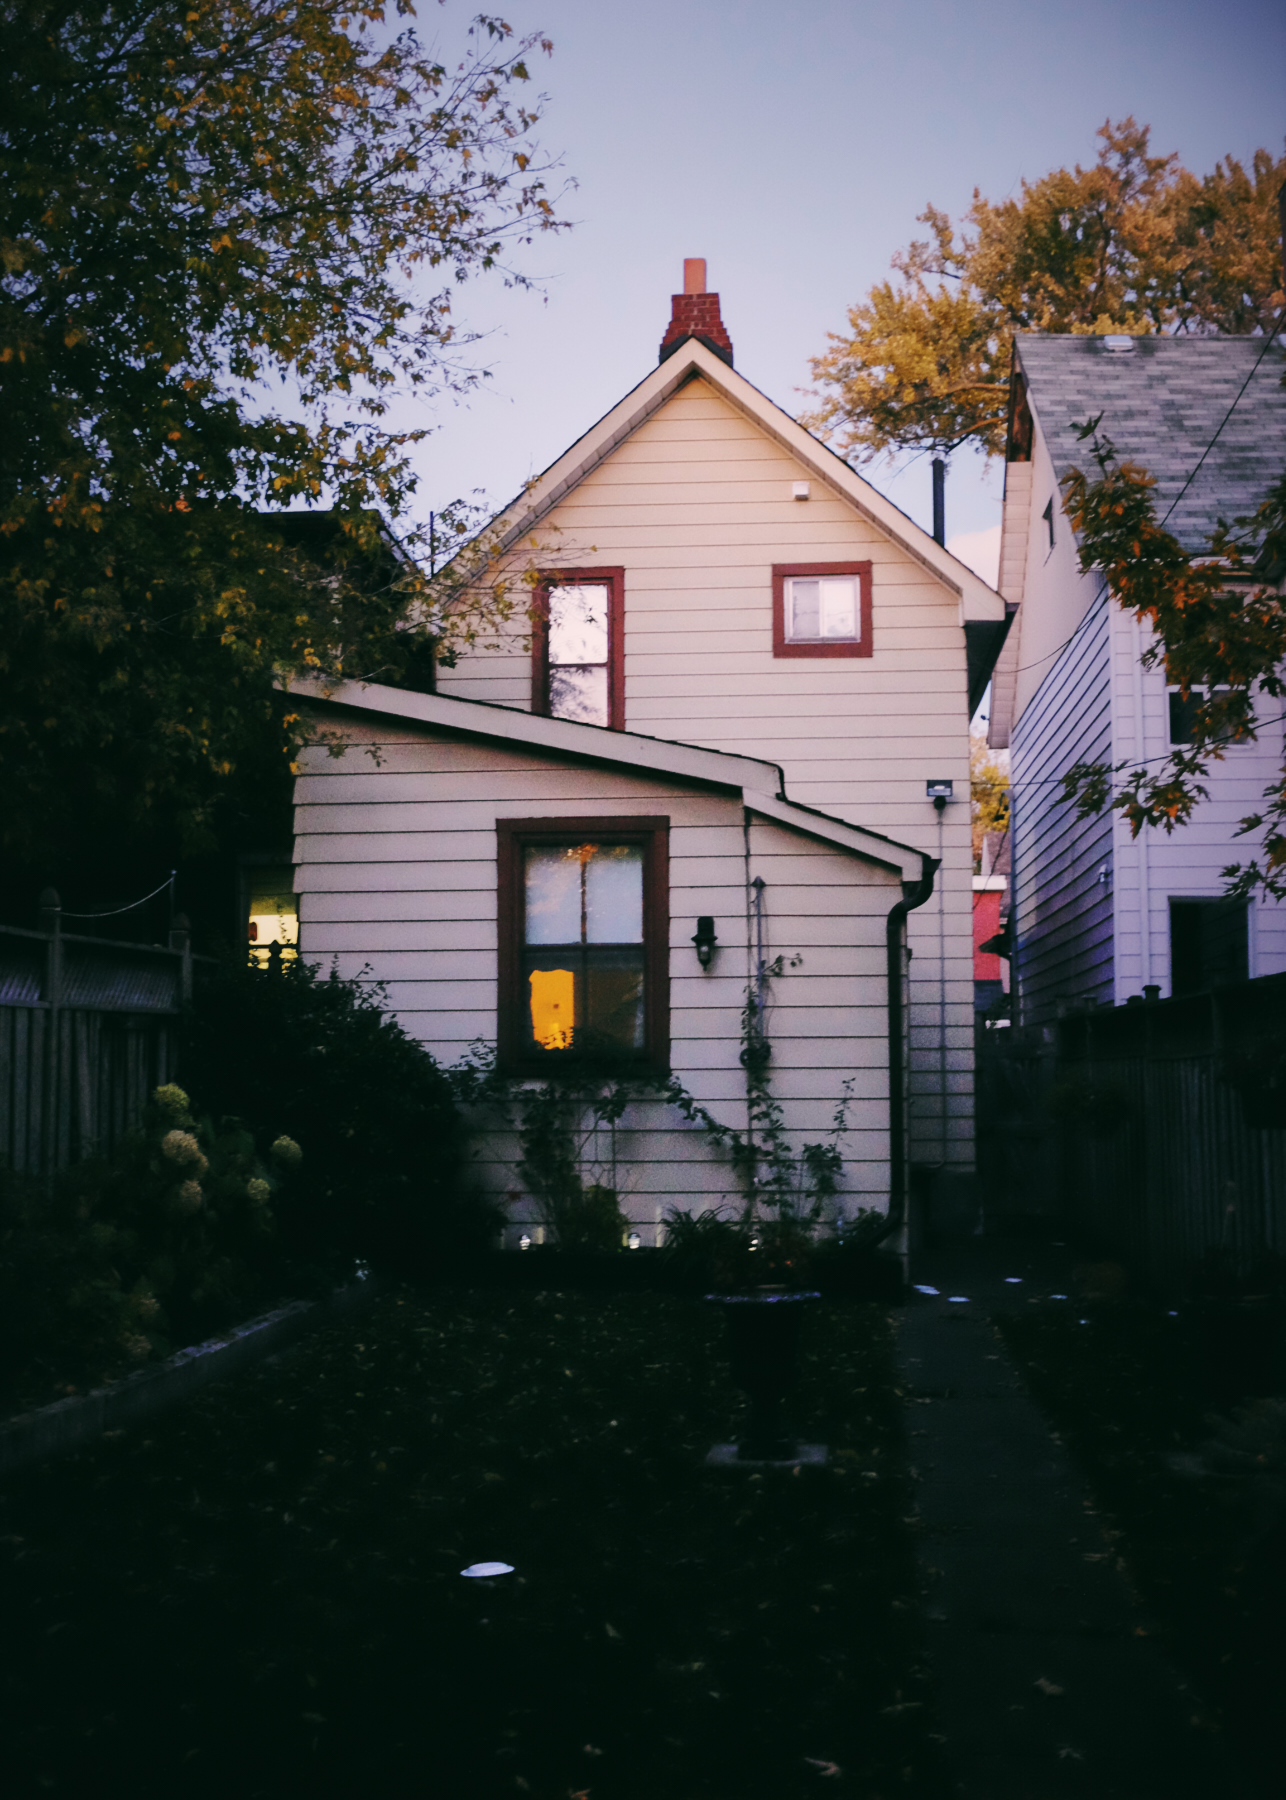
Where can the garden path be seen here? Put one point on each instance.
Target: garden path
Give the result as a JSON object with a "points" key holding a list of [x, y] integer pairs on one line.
{"points": [[1050, 1683]]}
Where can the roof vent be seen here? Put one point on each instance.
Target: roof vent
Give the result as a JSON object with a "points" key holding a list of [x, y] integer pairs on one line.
{"points": [[1116, 343]]}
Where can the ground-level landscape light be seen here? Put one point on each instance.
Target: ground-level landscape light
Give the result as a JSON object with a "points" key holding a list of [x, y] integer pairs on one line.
{"points": [[484, 1570], [634, 1241], [524, 1242]]}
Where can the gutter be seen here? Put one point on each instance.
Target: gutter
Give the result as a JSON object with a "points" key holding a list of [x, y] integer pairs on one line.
{"points": [[913, 894]]}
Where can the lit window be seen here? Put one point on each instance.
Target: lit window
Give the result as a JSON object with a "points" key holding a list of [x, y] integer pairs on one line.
{"points": [[822, 609], [584, 931], [576, 648], [274, 913]]}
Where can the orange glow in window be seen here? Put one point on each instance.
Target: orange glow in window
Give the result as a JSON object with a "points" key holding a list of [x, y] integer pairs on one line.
{"points": [[553, 1008]]}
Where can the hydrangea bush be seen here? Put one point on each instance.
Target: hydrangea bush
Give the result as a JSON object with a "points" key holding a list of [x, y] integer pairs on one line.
{"points": [[131, 1256]]}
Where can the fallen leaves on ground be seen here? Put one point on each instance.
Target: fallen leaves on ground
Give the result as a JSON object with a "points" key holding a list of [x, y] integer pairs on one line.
{"points": [[261, 1593]]}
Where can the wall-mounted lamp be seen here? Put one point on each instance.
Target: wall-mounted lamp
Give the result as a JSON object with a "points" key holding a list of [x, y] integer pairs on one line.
{"points": [[939, 792], [634, 1241], [705, 940]]}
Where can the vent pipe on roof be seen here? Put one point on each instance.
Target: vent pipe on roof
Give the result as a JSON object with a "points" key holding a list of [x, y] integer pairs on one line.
{"points": [[695, 314], [939, 501]]}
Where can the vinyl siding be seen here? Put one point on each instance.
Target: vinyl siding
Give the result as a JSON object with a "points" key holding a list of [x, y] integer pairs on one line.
{"points": [[1189, 862], [396, 869], [1063, 911], [696, 506]]}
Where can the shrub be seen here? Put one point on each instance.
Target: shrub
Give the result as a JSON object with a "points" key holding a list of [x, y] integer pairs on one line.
{"points": [[383, 1179], [127, 1256]]}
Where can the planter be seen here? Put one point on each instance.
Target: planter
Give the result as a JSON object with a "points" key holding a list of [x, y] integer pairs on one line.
{"points": [[763, 1343]]}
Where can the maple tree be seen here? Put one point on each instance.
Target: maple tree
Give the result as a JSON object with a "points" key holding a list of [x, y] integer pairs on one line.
{"points": [[1135, 243], [231, 237]]}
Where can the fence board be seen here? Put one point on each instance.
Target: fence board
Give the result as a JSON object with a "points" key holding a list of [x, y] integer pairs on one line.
{"points": [[1145, 1129]]}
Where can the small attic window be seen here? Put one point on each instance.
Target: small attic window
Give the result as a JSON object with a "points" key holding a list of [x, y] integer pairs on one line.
{"points": [[1118, 343]]}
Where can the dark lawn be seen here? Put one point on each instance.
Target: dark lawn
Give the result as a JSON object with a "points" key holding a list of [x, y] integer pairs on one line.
{"points": [[1127, 1388], [261, 1595]]}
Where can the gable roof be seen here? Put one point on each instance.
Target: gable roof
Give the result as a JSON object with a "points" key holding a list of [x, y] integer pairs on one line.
{"points": [[760, 784], [977, 601], [1162, 403]]}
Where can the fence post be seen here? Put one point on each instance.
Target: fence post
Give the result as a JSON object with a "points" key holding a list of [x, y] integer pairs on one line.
{"points": [[51, 922], [181, 940]]}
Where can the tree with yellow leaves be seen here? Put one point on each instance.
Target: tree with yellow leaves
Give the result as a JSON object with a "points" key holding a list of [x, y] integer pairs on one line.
{"points": [[1134, 243]]}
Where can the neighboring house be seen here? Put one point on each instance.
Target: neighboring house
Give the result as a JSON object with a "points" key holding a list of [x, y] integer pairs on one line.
{"points": [[1099, 916], [990, 920], [725, 611]]}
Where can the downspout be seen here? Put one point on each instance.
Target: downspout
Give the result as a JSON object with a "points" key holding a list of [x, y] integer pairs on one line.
{"points": [[913, 894]]}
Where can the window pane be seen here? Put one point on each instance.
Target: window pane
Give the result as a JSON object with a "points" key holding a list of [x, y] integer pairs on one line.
{"points": [[1209, 944], [1183, 716], [614, 997], [578, 624], [553, 999], [805, 609], [552, 883], [579, 695], [839, 607], [614, 895]]}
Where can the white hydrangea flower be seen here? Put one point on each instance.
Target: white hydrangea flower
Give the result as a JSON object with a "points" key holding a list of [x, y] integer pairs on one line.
{"points": [[182, 1147]]}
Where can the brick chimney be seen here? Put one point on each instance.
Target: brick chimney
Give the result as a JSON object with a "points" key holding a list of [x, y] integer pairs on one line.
{"points": [[695, 314]]}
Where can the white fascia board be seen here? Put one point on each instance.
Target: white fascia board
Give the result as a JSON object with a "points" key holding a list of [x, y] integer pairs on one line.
{"points": [[506, 724], [906, 863], [976, 599]]}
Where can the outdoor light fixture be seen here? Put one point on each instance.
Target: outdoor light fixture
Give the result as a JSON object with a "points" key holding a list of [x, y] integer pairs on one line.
{"points": [[524, 1242], [634, 1241], [939, 792], [705, 940]]}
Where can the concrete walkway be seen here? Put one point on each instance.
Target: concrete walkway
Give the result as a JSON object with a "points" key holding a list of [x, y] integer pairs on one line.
{"points": [[1047, 1689]]}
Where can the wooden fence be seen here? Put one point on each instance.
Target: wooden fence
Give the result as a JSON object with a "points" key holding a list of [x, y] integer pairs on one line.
{"points": [[1154, 1132], [88, 1027]]}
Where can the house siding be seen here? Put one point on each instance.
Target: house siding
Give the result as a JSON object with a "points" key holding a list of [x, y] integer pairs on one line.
{"points": [[1189, 862], [696, 506], [1063, 908], [396, 871]]}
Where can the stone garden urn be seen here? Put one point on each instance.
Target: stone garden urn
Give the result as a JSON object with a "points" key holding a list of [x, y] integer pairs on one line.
{"points": [[763, 1339]]}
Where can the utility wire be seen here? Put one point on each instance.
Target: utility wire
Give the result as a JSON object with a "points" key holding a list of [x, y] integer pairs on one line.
{"points": [[116, 911]]}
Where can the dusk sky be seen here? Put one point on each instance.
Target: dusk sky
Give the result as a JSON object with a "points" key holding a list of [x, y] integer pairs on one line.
{"points": [[793, 148]]}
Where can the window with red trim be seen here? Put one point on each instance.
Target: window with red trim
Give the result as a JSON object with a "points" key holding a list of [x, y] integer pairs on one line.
{"points": [[578, 647], [584, 940], [821, 609]]}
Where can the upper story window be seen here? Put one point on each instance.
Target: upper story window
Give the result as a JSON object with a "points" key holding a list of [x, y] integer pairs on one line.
{"points": [[584, 936], [578, 652], [821, 609], [1183, 716]]}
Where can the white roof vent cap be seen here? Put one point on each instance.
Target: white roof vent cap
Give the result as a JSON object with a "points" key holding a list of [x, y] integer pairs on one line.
{"points": [[1116, 343]]}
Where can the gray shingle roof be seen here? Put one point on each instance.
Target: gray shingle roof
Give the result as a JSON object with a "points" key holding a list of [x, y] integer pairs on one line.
{"points": [[1162, 403]]}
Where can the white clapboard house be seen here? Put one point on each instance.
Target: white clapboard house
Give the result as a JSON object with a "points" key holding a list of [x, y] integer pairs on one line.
{"points": [[748, 678], [1098, 915]]}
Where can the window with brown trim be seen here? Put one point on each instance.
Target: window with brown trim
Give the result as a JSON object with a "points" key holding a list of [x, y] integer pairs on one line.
{"points": [[821, 609], [584, 919], [578, 647]]}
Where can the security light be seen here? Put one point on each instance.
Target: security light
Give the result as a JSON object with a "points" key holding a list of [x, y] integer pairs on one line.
{"points": [[939, 792], [705, 940]]}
